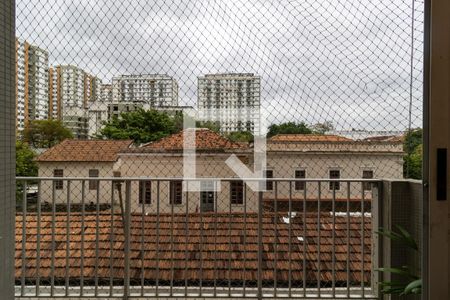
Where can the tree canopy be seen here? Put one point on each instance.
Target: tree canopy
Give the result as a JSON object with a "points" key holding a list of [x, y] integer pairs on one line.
{"points": [[142, 126], [289, 128], [412, 145], [25, 164], [45, 133], [322, 128], [241, 136]]}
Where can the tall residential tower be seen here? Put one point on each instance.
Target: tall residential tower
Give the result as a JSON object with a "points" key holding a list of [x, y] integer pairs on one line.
{"points": [[31, 83], [232, 100]]}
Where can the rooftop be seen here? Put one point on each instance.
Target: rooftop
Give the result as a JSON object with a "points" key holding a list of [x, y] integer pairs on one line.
{"points": [[84, 151], [205, 140], [308, 138], [223, 246]]}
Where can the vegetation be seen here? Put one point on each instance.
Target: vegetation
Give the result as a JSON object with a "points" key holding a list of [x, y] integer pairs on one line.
{"points": [[289, 128], [412, 145], [25, 164], [142, 126], [410, 283], [211, 125], [241, 136], [45, 133], [322, 128]]}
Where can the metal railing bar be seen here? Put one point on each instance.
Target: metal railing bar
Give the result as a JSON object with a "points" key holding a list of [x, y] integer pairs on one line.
{"points": [[229, 246], [304, 239], [144, 201], [290, 240], [38, 241], [127, 239], [24, 237], [157, 236], [168, 179], [69, 183], [348, 239], [52, 264], [319, 195], [201, 249], [362, 240], [83, 195], [111, 240], [245, 238], [260, 244], [97, 216], [333, 238], [275, 250], [215, 255], [171, 249], [186, 243]]}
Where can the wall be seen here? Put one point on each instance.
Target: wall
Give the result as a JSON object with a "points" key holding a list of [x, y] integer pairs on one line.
{"points": [[7, 150]]}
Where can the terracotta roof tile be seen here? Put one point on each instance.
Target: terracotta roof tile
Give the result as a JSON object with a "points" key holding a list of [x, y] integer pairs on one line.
{"points": [[224, 246], [205, 140], [308, 138], [85, 150]]}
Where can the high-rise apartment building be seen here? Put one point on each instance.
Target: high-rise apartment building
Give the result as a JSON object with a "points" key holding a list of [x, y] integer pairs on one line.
{"points": [[106, 93], [232, 100], [31, 83], [71, 91], [154, 89]]}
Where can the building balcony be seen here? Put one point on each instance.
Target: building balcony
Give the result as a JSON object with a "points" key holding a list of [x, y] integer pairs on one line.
{"points": [[225, 241]]}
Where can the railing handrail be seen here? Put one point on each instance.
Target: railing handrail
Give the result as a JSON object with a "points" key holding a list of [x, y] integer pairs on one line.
{"points": [[373, 180]]}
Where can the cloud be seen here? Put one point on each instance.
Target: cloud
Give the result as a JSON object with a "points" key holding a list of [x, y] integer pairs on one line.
{"points": [[343, 61]]}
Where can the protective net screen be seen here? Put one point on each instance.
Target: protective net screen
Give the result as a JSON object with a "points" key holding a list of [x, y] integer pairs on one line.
{"points": [[320, 98]]}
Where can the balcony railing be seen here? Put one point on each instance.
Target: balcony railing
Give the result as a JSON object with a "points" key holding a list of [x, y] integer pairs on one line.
{"points": [[155, 237]]}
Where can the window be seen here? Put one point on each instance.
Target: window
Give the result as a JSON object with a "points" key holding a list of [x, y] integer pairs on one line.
{"points": [[176, 192], [93, 184], [269, 184], [59, 184], [335, 174], [145, 192], [367, 174], [237, 192], [300, 185]]}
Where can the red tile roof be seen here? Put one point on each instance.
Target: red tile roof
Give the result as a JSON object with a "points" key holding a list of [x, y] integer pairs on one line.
{"points": [[308, 138], [223, 246], [85, 150], [205, 140]]}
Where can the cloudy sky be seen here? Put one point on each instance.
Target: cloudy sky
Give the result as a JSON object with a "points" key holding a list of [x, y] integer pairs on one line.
{"points": [[345, 61]]}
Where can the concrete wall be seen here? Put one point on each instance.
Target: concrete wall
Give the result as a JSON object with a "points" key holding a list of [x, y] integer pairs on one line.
{"points": [[318, 165], [402, 206], [7, 149]]}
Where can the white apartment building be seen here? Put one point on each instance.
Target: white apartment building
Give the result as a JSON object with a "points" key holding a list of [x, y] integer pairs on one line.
{"points": [[32, 101], [106, 94], [232, 99], [153, 89], [71, 91]]}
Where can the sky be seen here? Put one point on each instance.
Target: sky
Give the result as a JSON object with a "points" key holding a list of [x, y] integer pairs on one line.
{"points": [[345, 61]]}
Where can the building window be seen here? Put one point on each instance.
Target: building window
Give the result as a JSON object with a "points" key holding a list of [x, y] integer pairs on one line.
{"points": [[269, 184], [300, 185], [176, 192], [335, 174], [237, 192], [59, 184], [93, 184], [145, 192], [367, 174]]}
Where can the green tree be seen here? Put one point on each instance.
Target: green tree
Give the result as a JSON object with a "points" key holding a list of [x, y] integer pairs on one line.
{"points": [[46, 133], [25, 164], [240, 136], [211, 125], [412, 162], [289, 128], [142, 126]]}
